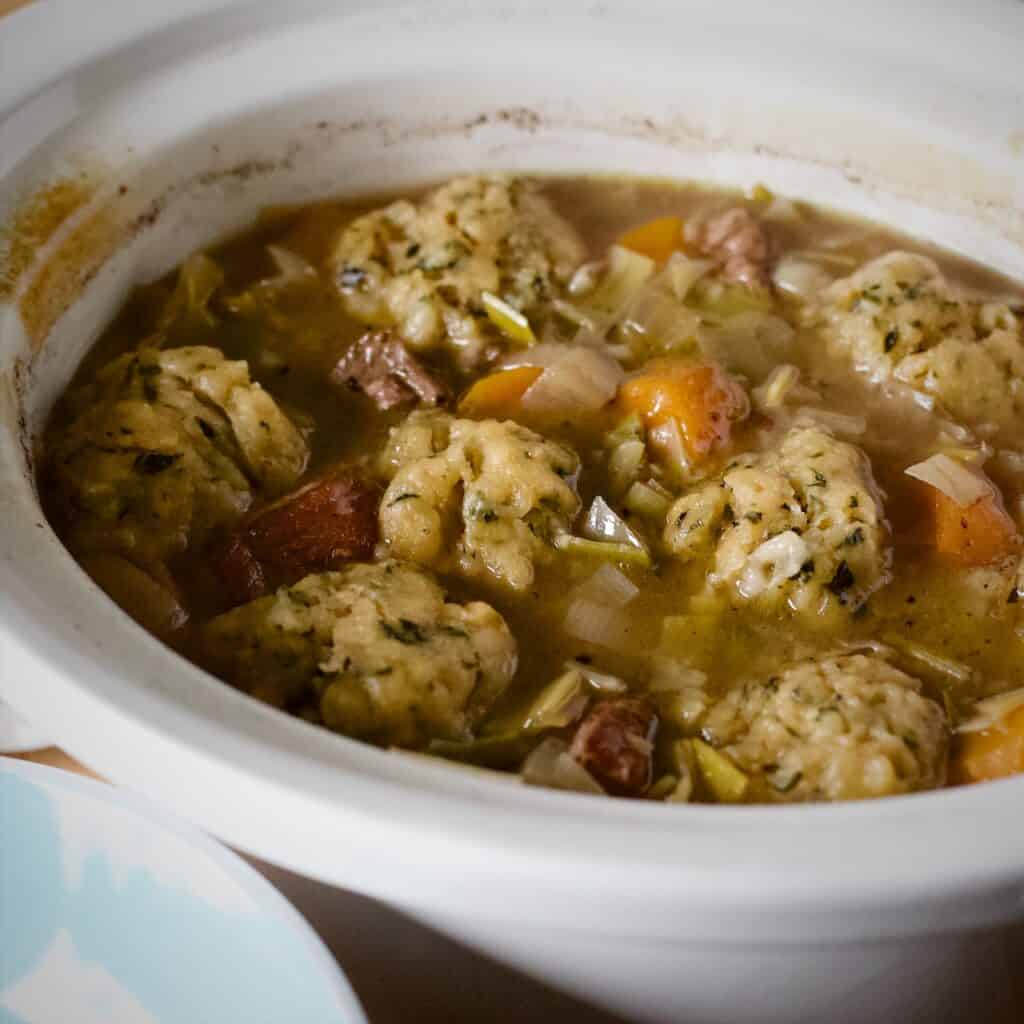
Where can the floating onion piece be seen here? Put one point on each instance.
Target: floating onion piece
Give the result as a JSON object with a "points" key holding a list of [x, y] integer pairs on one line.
{"points": [[625, 553], [551, 765], [603, 682], [644, 500], [952, 478], [682, 272], [657, 323], [627, 272], [586, 277], [778, 384], [752, 342], [559, 704], [802, 279], [955, 670], [508, 319], [991, 711], [582, 380], [596, 624], [625, 463], [726, 782], [608, 585], [604, 524], [198, 279], [842, 423], [290, 265], [773, 562], [668, 438]]}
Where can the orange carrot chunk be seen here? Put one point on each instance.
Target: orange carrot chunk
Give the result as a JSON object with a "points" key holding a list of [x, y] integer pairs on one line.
{"points": [[992, 753], [702, 399], [657, 239], [977, 534], [498, 395]]}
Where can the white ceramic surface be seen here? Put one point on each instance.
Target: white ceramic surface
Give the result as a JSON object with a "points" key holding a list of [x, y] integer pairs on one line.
{"points": [[909, 113], [113, 913]]}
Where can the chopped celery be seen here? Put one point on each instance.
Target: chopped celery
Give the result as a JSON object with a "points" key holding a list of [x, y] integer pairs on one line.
{"points": [[720, 778], [723, 779], [508, 319], [559, 704], [721, 300], [625, 463]]}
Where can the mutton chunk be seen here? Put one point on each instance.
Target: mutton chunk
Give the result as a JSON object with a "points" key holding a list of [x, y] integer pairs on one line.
{"points": [[375, 649], [737, 242], [381, 366], [423, 268], [799, 528], [328, 522], [838, 728], [167, 446], [481, 498], [897, 318], [615, 743]]}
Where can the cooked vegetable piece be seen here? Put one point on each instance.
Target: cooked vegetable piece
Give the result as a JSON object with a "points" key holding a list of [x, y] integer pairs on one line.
{"points": [[979, 533], [700, 398], [992, 753], [498, 395], [507, 319], [615, 743], [657, 239], [726, 783]]}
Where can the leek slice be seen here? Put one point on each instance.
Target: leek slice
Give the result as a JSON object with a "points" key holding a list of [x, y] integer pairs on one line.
{"points": [[508, 320], [725, 781]]}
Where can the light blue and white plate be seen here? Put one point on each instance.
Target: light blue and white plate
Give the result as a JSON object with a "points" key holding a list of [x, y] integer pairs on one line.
{"points": [[112, 912]]}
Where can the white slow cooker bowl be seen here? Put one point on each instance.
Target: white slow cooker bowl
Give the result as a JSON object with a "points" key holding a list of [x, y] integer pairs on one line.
{"points": [[175, 126]]}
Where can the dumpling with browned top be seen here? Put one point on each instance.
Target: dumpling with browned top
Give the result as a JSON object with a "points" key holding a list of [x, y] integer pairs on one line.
{"points": [[375, 651], [481, 498], [838, 728], [164, 446], [423, 267]]}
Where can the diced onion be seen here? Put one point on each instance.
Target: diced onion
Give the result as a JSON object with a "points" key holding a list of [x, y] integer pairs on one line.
{"points": [[582, 380], [596, 624], [625, 464], [645, 500], [604, 524], [958, 482], [773, 562], [290, 265], [603, 682], [626, 274], [609, 586], [551, 764], [751, 343], [507, 319], [658, 322], [586, 277], [683, 272], [800, 278], [992, 710], [778, 384], [839, 422]]}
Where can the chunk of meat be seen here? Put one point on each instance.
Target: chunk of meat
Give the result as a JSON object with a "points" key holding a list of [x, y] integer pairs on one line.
{"points": [[738, 243], [381, 366], [615, 743], [321, 526]]}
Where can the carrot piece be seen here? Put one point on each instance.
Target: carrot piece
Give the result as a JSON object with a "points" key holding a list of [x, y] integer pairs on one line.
{"points": [[992, 753], [976, 534], [701, 398], [498, 394], [657, 239]]}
